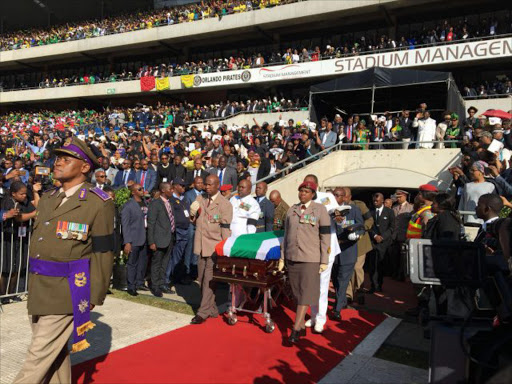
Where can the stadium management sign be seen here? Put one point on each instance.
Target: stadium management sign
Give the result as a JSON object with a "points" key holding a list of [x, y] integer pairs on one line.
{"points": [[452, 53]]}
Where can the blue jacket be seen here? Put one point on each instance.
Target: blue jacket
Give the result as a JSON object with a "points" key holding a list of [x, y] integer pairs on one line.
{"points": [[118, 180], [133, 223], [191, 195], [330, 140], [265, 222], [353, 223], [150, 180]]}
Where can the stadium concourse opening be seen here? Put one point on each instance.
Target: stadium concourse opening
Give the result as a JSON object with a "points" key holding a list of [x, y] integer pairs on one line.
{"points": [[377, 90]]}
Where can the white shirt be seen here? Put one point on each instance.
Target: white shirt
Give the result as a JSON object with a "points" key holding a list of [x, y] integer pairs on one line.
{"points": [[328, 200], [243, 209]]}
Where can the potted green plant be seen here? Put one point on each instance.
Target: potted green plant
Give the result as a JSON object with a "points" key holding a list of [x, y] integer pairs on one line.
{"points": [[119, 272]]}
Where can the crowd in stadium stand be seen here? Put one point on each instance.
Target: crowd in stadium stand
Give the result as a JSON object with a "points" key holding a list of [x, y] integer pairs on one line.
{"points": [[443, 32], [501, 85], [131, 22]]}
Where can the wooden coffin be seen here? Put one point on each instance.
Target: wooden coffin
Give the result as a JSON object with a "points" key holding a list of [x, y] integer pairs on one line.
{"points": [[247, 272]]}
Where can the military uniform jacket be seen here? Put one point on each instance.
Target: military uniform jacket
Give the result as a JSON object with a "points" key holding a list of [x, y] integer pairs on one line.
{"points": [[212, 224], [307, 236], [280, 215], [90, 206], [266, 219]]}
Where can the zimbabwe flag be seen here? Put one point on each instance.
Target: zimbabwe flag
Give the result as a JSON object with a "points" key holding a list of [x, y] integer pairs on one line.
{"points": [[259, 246]]}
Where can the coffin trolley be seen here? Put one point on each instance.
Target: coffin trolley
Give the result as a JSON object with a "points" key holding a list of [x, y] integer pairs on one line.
{"points": [[249, 264]]}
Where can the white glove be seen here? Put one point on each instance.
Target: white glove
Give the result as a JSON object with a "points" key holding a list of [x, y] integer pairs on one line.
{"points": [[353, 237]]}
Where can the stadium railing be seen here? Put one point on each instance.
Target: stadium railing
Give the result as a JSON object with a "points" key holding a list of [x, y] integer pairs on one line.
{"points": [[322, 57]]}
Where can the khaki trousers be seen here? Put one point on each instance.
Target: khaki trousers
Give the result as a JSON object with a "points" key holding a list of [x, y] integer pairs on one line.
{"points": [[357, 279], [208, 307], [48, 359]]}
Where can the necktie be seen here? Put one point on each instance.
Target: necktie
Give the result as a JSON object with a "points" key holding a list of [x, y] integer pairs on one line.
{"points": [[302, 208], [143, 179], [125, 177], [377, 214], [170, 214], [58, 200], [197, 174], [221, 173]]}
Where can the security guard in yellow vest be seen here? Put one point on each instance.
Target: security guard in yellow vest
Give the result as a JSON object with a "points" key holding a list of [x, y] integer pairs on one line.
{"points": [[421, 217], [71, 259]]}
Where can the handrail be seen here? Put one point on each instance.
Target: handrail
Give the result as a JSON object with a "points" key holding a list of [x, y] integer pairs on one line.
{"points": [[339, 146], [321, 58]]}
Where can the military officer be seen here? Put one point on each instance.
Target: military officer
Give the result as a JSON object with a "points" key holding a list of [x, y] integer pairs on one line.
{"points": [[71, 258], [246, 210], [212, 215], [266, 219], [281, 209], [319, 311], [305, 248]]}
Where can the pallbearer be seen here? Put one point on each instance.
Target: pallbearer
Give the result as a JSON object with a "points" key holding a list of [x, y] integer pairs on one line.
{"points": [[306, 251], [71, 258]]}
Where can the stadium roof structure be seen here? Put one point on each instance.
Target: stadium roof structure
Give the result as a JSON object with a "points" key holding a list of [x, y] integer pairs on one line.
{"points": [[377, 89]]}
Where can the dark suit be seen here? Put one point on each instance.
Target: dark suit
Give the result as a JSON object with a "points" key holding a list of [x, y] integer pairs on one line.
{"points": [[264, 168], [161, 234], [149, 180], [345, 262], [133, 222], [406, 125], [384, 226], [189, 178], [265, 222], [179, 171], [119, 180], [190, 258], [229, 176]]}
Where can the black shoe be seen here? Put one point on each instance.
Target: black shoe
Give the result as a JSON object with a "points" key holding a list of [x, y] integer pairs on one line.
{"points": [[302, 332], [294, 336], [16, 299], [349, 300], [5, 300], [132, 292], [142, 288], [371, 291], [336, 315], [166, 289], [379, 289], [197, 320], [187, 280], [157, 292]]}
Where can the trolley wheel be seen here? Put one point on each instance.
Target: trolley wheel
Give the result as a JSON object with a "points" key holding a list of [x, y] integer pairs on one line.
{"points": [[269, 328], [232, 320]]}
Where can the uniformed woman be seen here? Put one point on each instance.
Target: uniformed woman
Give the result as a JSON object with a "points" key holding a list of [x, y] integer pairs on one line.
{"points": [[306, 252]]}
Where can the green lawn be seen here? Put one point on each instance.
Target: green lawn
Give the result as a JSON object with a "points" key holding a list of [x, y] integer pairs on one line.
{"points": [[154, 302]]}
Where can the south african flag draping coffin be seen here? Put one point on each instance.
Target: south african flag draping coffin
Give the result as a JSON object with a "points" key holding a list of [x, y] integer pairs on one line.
{"points": [[250, 260], [259, 246]]}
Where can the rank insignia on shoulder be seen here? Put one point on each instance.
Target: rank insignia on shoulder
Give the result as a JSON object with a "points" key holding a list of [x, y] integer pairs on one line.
{"points": [[100, 193], [82, 194]]}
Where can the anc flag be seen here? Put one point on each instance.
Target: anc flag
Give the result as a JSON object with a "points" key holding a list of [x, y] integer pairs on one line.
{"points": [[259, 246]]}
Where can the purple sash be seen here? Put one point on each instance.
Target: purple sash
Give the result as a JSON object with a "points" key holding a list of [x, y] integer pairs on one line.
{"points": [[79, 280]]}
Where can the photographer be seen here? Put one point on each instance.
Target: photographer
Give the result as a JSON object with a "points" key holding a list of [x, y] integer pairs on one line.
{"points": [[447, 223]]}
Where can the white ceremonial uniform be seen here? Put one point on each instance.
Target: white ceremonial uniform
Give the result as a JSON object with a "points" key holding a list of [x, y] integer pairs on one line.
{"points": [[319, 312], [246, 212]]}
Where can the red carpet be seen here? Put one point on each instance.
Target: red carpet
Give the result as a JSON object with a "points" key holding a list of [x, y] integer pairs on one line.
{"points": [[216, 352]]}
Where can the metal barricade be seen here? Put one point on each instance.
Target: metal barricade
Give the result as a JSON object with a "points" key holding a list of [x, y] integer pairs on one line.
{"points": [[15, 241]]}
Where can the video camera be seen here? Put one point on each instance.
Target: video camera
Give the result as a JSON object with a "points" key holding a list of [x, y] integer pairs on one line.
{"points": [[478, 346]]}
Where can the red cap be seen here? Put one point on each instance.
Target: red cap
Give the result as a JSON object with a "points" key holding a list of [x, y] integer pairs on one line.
{"points": [[226, 187], [308, 184], [428, 188]]}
